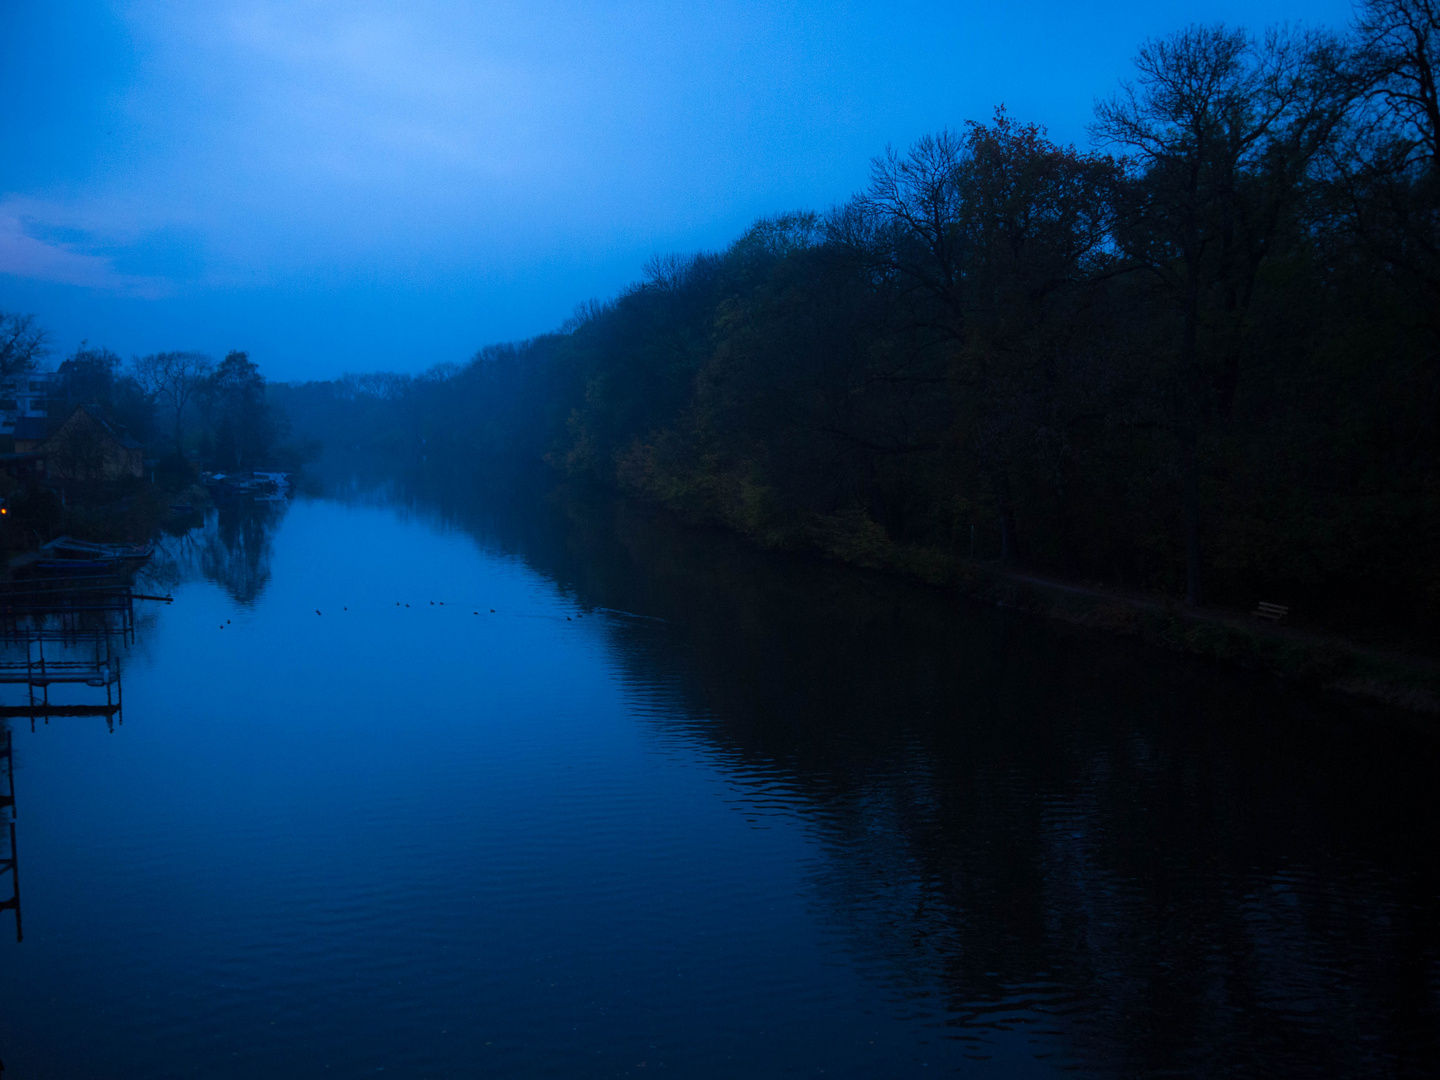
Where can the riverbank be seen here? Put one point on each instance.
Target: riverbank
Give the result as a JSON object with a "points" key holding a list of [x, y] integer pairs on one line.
{"points": [[1394, 676], [134, 512], [1403, 680]]}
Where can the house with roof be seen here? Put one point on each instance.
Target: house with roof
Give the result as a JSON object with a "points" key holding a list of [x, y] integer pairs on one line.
{"points": [[82, 448]]}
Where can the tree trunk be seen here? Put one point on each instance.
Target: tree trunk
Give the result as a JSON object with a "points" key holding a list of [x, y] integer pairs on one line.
{"points": [[1190, 497], [1009, 538], [1192, 391], [1071, 551]]}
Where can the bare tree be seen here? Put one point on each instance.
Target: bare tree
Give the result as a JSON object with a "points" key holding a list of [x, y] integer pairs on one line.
{"points": [[1385, 176], [381, 385], [173, 380], [918, 201], [1401, 56], [22, 344]]}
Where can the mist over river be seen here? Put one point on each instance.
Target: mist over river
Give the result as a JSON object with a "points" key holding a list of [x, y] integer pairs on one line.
{"points": [[449, 784]]}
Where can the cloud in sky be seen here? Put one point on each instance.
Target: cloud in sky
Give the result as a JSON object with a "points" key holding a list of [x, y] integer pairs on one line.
{"points": [[289, 176], [438, 135], [25, 256]]}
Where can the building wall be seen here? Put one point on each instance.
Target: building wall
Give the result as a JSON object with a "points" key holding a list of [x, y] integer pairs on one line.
{"points": [[25, 395], [84, 449]]}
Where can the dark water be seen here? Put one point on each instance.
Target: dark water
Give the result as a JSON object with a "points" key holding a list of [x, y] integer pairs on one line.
{"points": [[680, 807]]}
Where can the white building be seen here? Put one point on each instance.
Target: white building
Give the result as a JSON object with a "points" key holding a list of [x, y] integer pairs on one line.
{"points": [[25, 395]]}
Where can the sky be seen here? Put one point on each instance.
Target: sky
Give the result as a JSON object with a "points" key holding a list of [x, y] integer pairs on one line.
{"points": [[362, 185]]}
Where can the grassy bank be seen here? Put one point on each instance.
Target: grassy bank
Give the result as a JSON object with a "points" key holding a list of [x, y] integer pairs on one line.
{"points": [[1315, 656]]}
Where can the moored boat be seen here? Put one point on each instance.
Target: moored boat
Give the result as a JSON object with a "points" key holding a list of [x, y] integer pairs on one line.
{"points": [[68, 549]]}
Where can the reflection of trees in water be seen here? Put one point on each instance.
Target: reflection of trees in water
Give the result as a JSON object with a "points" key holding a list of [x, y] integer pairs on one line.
{"points": [[1176, 867], [1146, 866], [232, 548]]}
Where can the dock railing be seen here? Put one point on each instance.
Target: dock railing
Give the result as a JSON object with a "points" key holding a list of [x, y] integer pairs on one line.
{"points": [[9, 857]]}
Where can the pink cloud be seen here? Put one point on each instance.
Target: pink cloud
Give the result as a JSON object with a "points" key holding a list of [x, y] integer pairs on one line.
{"points": [[25, 256]]}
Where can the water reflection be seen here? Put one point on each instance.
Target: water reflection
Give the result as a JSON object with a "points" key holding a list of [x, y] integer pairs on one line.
{"points": [[9, 858], [232, 547], [1129, 863], [744, 815], [63, 641]]}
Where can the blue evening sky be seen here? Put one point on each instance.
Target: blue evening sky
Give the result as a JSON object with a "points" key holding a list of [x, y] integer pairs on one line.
{"points": [[350, 186]]}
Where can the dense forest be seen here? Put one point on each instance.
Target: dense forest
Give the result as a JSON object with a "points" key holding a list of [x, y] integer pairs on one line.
{"points": [[1203, 358]]}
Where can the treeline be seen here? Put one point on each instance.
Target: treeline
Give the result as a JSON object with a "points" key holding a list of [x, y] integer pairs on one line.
{"points": [[1204, 358], [183, 407]]}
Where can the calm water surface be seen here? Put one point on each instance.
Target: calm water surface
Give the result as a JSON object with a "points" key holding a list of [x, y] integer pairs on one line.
{"points": [[675, 806]]}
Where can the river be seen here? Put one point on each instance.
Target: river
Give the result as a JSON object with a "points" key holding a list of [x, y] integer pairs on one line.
{"points": [[443, 786]]}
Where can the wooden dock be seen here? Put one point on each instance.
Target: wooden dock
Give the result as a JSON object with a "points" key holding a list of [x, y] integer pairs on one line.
{"points": [[38, 673], [65, 633]]}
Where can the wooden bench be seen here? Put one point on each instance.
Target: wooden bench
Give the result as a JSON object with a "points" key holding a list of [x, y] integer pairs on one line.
{"points": [[1273, 612]]}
